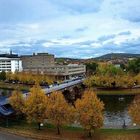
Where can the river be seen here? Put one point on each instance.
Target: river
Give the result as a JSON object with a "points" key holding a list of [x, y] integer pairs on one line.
{"points": [[116, 110]]}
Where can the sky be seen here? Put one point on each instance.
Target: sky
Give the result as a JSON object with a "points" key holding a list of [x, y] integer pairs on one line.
{"points": [[70, 28]]}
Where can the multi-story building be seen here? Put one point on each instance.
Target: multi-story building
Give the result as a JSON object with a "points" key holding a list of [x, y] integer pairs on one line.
{"points": [[44, 63], [38, 61], [10, 63]]}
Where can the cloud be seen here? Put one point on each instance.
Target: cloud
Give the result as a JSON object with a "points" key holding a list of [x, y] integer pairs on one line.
{"points": [[75, 50], [106, 37], [82, 29], [127, 10], [125, 33], [78, 6], [74, 28]]}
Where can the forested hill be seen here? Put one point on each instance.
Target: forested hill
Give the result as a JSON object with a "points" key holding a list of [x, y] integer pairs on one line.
{"points": [[103, 57], [118, 56]]}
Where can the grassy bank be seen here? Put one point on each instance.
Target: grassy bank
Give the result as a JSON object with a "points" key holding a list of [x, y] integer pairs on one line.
{"points": [[48, 131], [118, 92], [10, 86]]}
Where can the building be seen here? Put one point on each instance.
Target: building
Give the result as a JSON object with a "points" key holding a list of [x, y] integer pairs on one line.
{"points": [[44, 63], [118, 62], [10, 63], [37, 61]]}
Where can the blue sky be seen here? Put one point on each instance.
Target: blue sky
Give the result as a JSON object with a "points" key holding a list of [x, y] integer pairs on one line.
{"points": [[70, 28]]}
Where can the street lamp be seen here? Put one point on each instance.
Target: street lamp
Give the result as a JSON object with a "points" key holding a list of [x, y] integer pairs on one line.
{"points": [[134, 124]]}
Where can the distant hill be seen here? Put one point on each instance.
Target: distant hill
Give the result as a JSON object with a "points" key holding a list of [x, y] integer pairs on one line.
{"points": [[103, 57], [117, 56], [67, 60]]}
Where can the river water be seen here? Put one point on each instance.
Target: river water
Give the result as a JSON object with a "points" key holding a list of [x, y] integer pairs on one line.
{"points": [[116, 110]]}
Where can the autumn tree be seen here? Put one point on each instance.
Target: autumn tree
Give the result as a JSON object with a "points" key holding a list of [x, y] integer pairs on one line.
{"points": [[134, 110], [16, 100], [35, 105], [90, 111], [59, 112]]}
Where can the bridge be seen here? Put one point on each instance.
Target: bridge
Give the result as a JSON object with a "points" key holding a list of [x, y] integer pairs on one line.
{"points": [[7, 110]]}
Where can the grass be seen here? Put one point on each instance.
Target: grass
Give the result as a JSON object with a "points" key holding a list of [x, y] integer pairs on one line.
{"points": [[10, 86], [118, 92], [67, 132], [119, 131]]}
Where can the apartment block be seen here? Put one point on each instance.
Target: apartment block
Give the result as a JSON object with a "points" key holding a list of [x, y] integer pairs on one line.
{"points": [[10, 63], [37, 61]]}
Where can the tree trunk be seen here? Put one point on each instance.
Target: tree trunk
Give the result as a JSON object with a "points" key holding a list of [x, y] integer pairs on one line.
{"points": [[39, 126], [18, 118], [58, 130], [7, 122], [89, 134]]}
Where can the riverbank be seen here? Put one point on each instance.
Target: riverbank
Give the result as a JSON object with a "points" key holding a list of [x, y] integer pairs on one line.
{"points": [[131, 91], [12, 86], [99, 91]]}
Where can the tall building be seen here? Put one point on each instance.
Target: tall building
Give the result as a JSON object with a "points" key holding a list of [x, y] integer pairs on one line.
{"points": [[44, 63], [38, 61], [10, 63]]}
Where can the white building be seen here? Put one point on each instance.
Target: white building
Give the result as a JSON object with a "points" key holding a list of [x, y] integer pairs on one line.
{"points": [[10, 63]]}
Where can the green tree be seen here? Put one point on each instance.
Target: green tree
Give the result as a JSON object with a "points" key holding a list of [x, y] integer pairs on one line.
{"points": [[134, 66], [123, 66], [91, 67], [90, 111], [110, 70]]}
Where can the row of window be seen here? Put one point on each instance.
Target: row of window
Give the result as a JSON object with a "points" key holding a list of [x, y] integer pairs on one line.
{"points": [[5, 61], [5, 70], [76, 67]]}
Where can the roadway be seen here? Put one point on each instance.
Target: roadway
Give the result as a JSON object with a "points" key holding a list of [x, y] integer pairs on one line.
{"points": [[8, 136], [63, 86]]}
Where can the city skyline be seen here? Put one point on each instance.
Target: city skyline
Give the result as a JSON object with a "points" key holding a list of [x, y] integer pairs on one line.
{"points": [[77, 29]]}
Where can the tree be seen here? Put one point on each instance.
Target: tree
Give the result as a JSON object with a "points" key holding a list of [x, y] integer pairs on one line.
{"points": [[90, 111], [3, 75], [134, 66], [134, 110], [91, 67], [122, 66], [35, 105], [17, 101], [59, 112]]}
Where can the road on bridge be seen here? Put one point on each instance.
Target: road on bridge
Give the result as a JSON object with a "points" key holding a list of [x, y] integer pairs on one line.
{"points": [[8, 136]]}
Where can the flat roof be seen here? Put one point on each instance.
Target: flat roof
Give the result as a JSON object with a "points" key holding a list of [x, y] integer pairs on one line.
{"points": [[9, 56]]}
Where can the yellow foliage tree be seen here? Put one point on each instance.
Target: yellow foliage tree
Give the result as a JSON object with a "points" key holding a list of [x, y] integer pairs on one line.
{"points": [[90, 111], [17, 101], [137, 79], [59, 112], [134, 110], [35, 105]]}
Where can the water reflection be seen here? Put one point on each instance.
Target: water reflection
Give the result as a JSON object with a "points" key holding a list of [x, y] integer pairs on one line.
{"points": [[116, 110]]}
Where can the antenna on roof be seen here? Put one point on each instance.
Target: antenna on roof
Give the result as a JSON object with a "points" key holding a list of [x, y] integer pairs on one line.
{"points": [[10, 52]]}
